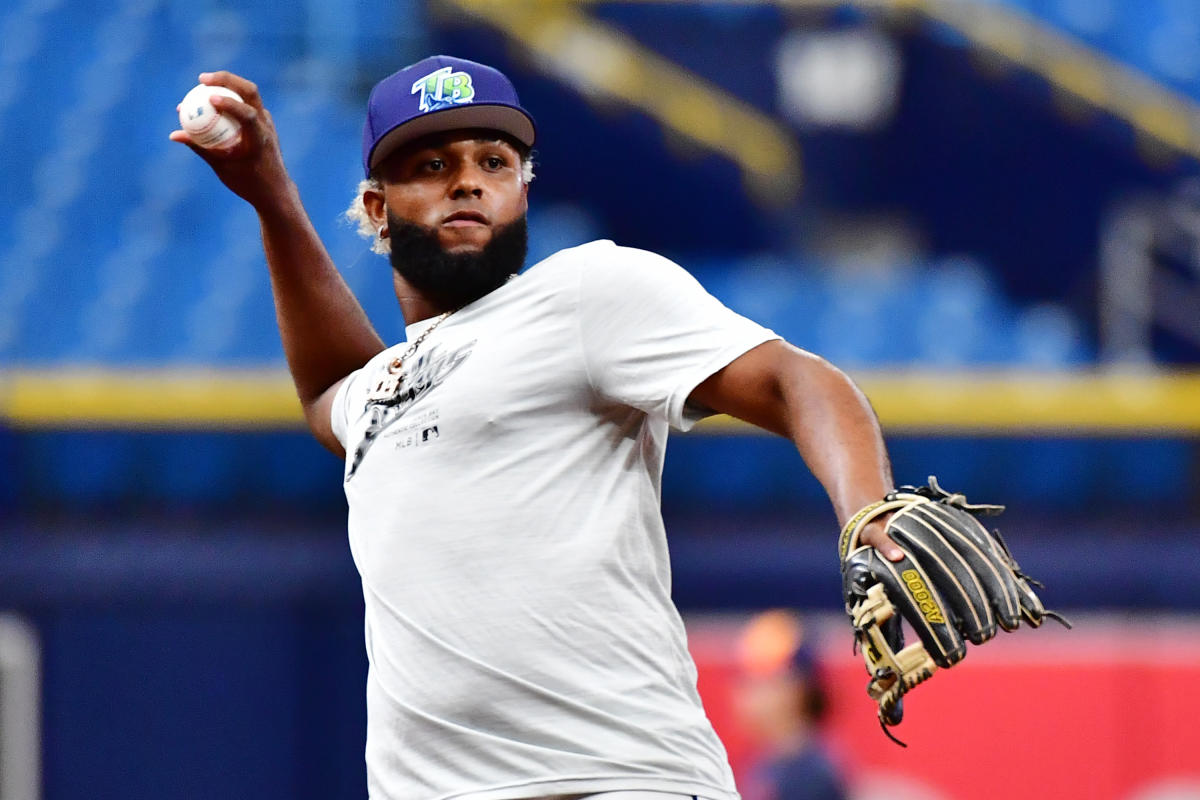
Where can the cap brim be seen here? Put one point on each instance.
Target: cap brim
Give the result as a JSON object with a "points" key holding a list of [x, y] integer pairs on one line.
{"points": [[506, 119]]}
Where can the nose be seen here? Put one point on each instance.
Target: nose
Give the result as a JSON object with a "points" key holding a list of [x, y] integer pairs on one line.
{"points": [[467, 182]]}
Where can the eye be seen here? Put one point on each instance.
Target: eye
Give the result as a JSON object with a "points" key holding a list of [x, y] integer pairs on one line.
{"points": [[494, 162], [435, 165]]}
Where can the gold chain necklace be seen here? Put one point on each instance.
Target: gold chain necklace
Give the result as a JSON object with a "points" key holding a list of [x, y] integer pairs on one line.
{"points": [[389, 385], [397, 363]]}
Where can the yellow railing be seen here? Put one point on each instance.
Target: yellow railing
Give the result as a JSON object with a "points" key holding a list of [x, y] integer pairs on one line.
{"points": [[992, 403], [149, 399], [1000, 402]]}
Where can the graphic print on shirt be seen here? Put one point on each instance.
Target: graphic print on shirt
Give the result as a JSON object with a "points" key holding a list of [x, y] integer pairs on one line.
{"points": [[423, 376]]}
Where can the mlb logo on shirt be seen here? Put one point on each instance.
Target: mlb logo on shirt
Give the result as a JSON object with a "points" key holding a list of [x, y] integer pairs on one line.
{"points": [[443, 88]]}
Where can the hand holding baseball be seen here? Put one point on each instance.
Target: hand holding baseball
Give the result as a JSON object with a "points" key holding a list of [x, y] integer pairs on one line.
{"points": [[205, 126], [229, 128]]}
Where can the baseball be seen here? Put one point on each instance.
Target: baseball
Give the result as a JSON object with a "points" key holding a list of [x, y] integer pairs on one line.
{"points": [[208, 128]]}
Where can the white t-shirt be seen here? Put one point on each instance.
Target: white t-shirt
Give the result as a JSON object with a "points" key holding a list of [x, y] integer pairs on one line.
{"points": [[505, 518]]}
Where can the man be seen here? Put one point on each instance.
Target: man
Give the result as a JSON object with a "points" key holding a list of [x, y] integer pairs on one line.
{"points": [[503, 466], [781, 702]]}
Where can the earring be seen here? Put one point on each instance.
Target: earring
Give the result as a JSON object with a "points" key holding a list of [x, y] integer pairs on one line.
{"points": [[383, 231]]}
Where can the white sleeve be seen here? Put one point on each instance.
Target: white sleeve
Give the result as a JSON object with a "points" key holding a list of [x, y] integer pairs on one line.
{"points": [[347, 404], [651, 333]]}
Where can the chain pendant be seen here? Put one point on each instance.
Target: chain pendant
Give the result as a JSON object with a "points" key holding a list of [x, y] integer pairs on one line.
{"points": [[388, 385], [387, 388]]}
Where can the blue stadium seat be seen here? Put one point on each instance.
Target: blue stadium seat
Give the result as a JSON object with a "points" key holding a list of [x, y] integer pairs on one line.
{"points": [[554, 227], [958, 310], [1094, 20], [851, 327], [775, 293], [1048, 336]]}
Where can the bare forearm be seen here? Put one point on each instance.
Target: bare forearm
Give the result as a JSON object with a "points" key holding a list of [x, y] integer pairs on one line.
{"points": [[326, 335]]}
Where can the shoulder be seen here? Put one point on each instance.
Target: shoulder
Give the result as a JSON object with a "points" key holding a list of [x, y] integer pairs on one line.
{"points": [[570, 260], [606, 278], [603, 268], [602, 256]]}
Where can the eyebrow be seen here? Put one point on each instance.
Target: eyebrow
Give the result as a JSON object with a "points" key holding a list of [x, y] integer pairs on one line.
{"points": [[479, 140]]}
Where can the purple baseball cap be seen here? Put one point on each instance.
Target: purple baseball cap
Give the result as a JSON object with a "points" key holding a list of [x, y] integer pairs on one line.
{"points": [[438, 94]]}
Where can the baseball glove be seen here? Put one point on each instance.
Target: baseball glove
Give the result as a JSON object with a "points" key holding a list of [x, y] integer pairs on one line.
{"points": [[956, 583]]}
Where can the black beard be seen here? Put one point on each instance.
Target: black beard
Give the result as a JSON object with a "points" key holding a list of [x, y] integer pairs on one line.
{"points": [[452, 280]]}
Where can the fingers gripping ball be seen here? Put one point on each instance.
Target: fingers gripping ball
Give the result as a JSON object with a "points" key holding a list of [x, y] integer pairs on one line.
{"points": [[956, 583], [204, 124]]}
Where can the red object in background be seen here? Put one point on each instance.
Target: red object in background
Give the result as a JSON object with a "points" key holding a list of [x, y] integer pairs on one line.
{"points": [[1104, 712]]}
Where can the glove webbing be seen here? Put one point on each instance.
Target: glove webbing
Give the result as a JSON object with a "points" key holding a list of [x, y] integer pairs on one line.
{"points": [[901, 670]]}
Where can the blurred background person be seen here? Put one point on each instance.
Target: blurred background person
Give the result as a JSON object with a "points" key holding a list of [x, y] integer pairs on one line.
{"points": [[781, 701]]}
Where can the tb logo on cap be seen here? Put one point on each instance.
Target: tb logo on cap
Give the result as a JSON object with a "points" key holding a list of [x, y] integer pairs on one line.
{"points": [[443, 88]]}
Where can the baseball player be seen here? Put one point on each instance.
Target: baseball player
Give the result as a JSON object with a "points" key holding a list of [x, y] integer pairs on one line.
{"points": [[503, 464]]}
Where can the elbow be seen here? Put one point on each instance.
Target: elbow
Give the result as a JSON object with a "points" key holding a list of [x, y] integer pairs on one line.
{"points": [[809, 381], [801, 371]]}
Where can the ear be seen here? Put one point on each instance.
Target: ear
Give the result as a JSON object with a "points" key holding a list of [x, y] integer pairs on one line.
{"points": [[376, 206]]}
